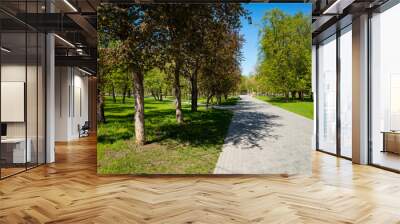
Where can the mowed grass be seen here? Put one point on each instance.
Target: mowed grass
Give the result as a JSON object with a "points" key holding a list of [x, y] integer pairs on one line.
{"points": [[303, 108], [190, 148]]}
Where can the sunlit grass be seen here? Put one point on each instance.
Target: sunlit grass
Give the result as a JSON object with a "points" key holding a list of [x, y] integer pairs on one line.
{"points": [[190, 148], [304, 108]]}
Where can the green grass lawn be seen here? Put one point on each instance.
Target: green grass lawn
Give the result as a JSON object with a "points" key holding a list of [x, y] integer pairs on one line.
{"points": [[303, 108], [190, 148]]}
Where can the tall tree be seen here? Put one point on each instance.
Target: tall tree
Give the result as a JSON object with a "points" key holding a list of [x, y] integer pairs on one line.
{"points": [[135, 29], [177, 19], [286, 53], [195, 33], [103, 70], [221, 72]]}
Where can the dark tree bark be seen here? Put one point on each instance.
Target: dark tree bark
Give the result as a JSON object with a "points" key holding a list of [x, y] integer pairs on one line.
{"points": [[193, 82], [154, 95], [219, 99], [124, 93], [161, 95], [209, 97], [139, 108], [113, 94], [166, 92], [100, 106]]}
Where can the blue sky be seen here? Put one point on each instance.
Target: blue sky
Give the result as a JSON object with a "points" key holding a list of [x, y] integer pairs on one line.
{"points": [[250, 31]]}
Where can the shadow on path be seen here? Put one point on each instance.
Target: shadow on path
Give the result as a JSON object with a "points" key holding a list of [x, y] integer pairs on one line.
{"points": [[264, 139], [249, 126]]}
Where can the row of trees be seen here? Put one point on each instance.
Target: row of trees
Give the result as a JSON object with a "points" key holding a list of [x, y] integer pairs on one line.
{"points": [[156, 46], [284, 66]]}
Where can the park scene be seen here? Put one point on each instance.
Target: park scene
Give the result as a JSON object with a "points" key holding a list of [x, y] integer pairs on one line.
{"points": [[222, 88]]}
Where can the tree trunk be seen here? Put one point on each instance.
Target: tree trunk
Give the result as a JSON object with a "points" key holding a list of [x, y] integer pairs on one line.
{"points": [[129, 93], [177, 90], [124, 93], [287, 96], [100, 107], [113, 94], [208, 100], [139, 108], [226, 97], [161, 95], [154, 95], [219, 99], [193, 81], [166, 92]]}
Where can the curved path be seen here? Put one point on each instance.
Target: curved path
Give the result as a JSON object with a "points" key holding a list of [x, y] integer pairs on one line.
{"points": [[264, 139]]}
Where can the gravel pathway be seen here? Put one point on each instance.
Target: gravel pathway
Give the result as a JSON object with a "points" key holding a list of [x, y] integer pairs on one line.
{"points": [[264, 139]]}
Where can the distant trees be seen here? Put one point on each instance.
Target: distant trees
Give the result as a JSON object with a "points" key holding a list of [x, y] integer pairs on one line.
{"points": [[151, 48], [248, 84], [285, 67], [156, 84]]}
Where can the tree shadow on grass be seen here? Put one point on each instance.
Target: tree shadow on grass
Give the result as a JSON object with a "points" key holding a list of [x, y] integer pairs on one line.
{"points": [[114, 131], [120, 125], [117, 108], [203, 128]]}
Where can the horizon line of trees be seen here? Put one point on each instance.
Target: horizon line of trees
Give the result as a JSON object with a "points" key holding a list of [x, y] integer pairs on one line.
{"points": [[165, 48]]}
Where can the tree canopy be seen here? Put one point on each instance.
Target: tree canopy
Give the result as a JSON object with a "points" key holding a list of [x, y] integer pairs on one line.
{"points": [[154, 46], [285, 49]]}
